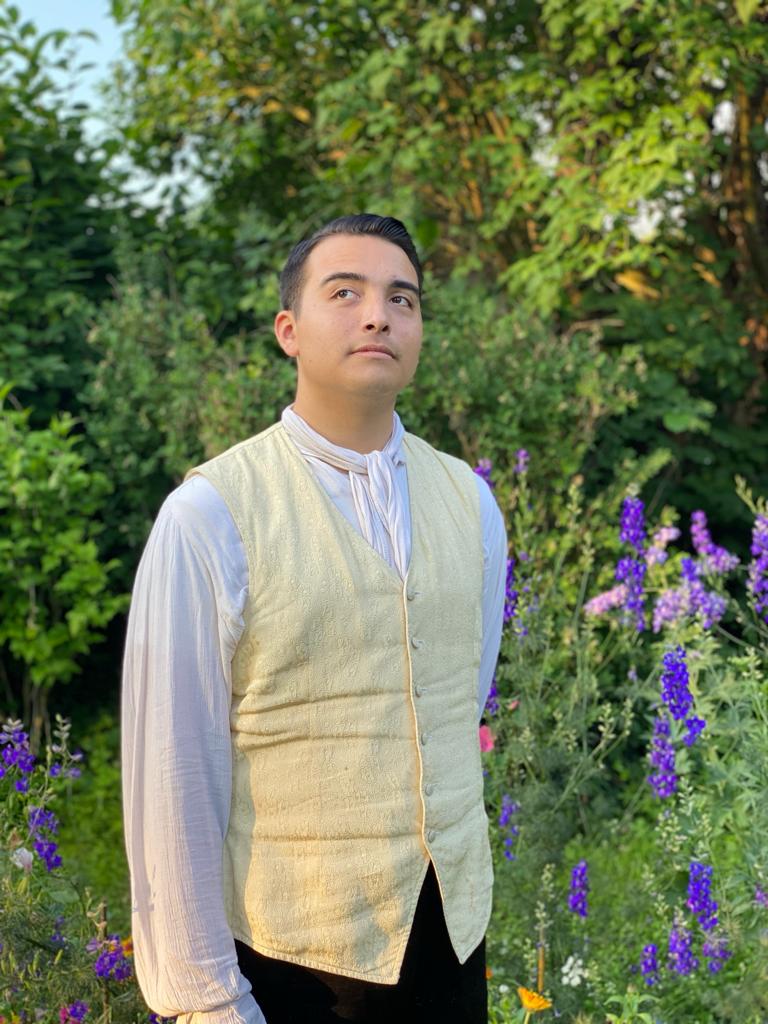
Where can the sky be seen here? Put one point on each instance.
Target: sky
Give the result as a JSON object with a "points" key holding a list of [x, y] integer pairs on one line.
{"points": [[95, 16]]}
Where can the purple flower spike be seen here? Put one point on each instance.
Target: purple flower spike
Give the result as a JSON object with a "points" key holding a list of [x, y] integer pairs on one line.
{"points": [[695, 728], [700, 900], [757, 584], [492, 700], [523, 458], [483, 469], [111, 961], [674, 684], [511, 595], [649, 965], [662, 757], [577, 900], [508, 808], [681, 959], [715, 559], [631, 571], [74, 1013], [632, 528], [716, 951]]}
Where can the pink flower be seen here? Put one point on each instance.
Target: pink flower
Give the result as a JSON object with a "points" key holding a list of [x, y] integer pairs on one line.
{"points": [[486, 738]]}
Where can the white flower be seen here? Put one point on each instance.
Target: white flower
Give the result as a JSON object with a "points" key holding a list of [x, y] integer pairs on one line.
{"points": [[22, 858], [573, 971], [503, 988]]}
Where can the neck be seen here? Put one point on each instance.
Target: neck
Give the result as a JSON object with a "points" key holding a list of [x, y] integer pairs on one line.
{"points": [[360, 428]]}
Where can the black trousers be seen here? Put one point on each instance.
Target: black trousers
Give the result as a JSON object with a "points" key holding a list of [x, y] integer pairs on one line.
{"points": [[432, 981]]}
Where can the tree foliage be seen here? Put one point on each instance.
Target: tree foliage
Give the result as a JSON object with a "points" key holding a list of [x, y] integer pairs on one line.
{"points": [[591, 160]]}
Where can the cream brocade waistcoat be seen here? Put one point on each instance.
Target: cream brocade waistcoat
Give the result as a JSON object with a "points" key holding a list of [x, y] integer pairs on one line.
{"points": [[354, 717]]}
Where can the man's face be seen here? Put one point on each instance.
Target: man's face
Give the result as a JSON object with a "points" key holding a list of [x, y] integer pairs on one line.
{"points": [[354, 335]]}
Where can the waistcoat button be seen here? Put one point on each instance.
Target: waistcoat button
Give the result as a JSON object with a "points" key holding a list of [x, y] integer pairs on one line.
{"points": [[431, 835], [429, 788], [416, 642], [423, 738], [411, 594], [418, 690]]}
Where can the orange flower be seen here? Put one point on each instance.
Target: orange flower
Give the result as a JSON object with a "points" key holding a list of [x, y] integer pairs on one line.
{"points": [[486, 738], [488, 973], [127, 945], [532, 1001]]}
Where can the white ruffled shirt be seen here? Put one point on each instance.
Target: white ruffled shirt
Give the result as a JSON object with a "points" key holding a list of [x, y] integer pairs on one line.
{"points": [[185, 621]]}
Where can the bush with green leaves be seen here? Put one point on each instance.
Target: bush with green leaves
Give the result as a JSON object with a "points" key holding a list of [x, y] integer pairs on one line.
{"points": [[55, 592]]}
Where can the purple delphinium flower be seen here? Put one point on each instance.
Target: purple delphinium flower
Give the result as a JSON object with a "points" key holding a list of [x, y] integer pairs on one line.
{"points": [[75, 1012], [632, 526], [714, 559], [649, 965], [761, 897], [663, 780], [492, 701], [40, 823], [700, 900], [483, 469], [716, 951], [707, 603], [690, 598], [111, 961], [757, 584], [521, 465], [39, 818], [16, 753], [695, 727], [508, 808], [577, 900], [674, 684], [510, 594], [671, 605], [681, 959], [631, 571], [657, 552]]}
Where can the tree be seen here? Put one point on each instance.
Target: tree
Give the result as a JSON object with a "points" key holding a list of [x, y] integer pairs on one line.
{"points": [[58, 221]]}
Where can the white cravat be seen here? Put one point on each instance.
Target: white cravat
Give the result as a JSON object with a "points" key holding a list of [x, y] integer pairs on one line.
{"points": [[377, 497]]}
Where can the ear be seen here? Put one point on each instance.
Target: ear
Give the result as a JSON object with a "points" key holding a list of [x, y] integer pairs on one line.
{"points": [[285, 332]]}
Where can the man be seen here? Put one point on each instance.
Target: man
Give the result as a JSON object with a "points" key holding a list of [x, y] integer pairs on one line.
{"points": [[313, 632]]}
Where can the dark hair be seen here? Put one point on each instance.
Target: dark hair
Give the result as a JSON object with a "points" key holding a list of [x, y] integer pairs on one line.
{"points": [[292, 275]]}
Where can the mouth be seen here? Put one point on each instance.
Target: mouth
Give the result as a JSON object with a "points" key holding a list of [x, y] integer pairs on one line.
{"points": [[380, 350]]}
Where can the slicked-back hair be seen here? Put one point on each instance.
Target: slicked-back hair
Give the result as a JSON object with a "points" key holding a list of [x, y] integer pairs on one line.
{"points": [[389, 228]]}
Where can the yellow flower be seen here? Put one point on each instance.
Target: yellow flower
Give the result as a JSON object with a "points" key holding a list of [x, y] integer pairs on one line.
{"points": [[532, 1001], [127, 945]]}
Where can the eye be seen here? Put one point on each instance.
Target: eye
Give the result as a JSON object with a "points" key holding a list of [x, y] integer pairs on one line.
{"points": [[337, 293], [403, 297]]}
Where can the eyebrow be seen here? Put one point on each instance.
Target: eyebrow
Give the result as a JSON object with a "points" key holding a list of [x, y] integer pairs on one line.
{"points": [[350, 275]]}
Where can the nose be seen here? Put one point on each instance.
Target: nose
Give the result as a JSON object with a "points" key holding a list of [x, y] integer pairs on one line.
{"points": [[377, 316]]}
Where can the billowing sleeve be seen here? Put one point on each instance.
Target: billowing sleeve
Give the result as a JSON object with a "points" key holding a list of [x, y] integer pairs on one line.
{"points": [[494, 588], [184, 623]]}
